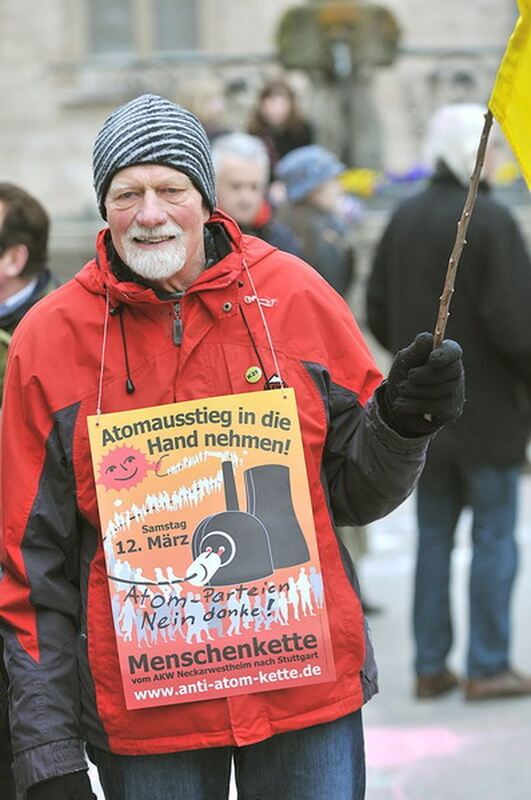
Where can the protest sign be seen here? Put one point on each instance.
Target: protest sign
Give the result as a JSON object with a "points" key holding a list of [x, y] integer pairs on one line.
{"points": [[210, 547]]}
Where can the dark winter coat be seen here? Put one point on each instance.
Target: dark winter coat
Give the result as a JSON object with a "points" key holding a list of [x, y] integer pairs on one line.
{"points": [[489, 312], [10, 320], [274, 232], [324, 242], [280, 141]]}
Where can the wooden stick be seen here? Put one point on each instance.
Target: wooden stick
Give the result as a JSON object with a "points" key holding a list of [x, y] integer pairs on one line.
{"points": [[460, 239]]}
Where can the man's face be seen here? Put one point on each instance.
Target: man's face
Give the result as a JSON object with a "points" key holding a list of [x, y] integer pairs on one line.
{"points": [[10, 263], [156, 218], [240, 186]]}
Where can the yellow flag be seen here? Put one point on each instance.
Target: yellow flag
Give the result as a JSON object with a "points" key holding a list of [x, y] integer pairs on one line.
{"points": [[510, 101]]}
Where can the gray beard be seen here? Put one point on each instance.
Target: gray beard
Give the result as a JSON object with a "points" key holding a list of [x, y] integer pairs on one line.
{"points": [[155, 266]]}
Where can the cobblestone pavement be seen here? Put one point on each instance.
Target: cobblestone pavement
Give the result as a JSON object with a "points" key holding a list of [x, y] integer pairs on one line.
{"points": [[444, 749]]}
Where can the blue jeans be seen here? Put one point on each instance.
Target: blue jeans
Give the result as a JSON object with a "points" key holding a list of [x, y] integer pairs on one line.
{"points": [[445, 488], [318, 763]]}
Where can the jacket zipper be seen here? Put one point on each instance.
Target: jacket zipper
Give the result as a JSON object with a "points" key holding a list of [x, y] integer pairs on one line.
{"points": [[177, 324]]}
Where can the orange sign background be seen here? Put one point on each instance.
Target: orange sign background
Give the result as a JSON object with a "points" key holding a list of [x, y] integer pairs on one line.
{"points": [[215, 586]]}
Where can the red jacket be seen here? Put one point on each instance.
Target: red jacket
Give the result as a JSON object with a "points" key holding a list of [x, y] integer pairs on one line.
{"points": [[55, 607]]}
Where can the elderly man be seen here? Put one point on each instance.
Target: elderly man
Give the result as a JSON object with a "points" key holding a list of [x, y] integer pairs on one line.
{"points": [[176, 306], [242, 167]]}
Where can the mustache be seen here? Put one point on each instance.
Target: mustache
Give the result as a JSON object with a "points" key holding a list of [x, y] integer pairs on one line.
{"points": [[136, 231]]}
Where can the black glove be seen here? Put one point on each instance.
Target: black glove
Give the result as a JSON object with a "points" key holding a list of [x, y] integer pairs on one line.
{"points": [[425, 387], [73, 786]]}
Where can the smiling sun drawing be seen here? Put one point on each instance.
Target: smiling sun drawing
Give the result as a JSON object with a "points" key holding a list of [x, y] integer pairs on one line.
{"points": [[123, 468]]}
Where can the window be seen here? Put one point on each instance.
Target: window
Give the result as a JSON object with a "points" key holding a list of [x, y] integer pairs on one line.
{"points": [[142, 28], [175, 23], [111, 27]]}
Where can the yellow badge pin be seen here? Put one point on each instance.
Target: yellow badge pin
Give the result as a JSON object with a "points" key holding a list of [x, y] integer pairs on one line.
{"points": [[253, 374]]}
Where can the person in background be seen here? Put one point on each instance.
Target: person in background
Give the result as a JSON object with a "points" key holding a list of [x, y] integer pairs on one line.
{"points": [[241, 164], [24, 279], [172, 309], [476, 461], [278, 121], [313, 191], [313, 194], [24, 275]]}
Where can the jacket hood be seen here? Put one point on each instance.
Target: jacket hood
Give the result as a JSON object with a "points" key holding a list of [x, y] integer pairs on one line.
{"points": [[98, 276]]}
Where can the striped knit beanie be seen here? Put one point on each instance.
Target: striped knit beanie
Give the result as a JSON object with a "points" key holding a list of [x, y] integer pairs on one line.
{"points": [[152, 130]]}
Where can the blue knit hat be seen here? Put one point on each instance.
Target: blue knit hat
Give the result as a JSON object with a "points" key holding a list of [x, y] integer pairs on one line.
{"points": [[152, 130], [304, 169]]}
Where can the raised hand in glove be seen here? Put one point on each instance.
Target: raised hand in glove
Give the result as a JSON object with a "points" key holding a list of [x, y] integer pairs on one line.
{"points": [[425, 387], [73, 786]]}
